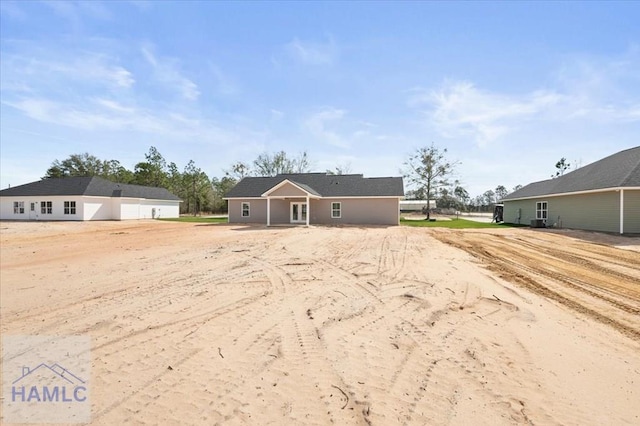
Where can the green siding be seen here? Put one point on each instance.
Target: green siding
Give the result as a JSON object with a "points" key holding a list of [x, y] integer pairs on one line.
{"points": [[596, 211], [632, 212]]}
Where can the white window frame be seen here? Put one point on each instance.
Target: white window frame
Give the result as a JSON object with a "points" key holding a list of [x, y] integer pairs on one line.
{"points": [[542, 210], [46, 207], [248, 204], [339, 210], [18, 207], [69, 207]]}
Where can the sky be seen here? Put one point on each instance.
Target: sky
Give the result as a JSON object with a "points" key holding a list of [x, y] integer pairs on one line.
{"points": [[507, 88]]}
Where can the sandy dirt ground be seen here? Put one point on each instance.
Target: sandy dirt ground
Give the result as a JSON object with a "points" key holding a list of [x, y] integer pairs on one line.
{"points": [[220, 324]]}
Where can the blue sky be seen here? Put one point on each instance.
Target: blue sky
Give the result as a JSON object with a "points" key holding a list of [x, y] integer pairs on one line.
{"points": [[508, 88]]}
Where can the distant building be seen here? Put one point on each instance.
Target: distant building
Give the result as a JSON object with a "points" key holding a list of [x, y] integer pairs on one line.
{"points": [[86, 198], [602, 196], [416, 205]]}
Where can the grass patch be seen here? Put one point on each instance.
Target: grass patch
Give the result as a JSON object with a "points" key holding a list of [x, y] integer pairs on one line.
{"points": [[455, 224], [196, 219]]}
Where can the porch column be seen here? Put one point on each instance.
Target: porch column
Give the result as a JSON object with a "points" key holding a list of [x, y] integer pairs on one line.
{"points": [[308, 209], [622, 211], [268, 211]]}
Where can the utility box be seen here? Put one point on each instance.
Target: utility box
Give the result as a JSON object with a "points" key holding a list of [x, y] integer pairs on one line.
{"points": [[537, 223]]}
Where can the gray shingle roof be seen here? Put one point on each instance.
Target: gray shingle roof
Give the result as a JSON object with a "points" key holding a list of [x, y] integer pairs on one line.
{"points": [[94, 186], [323, 184], [616, 171]]}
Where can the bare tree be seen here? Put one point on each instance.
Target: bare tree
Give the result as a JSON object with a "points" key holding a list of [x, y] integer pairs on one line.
{"points": [[429, 171], [279, 163], [340, 169], [239, 171]]}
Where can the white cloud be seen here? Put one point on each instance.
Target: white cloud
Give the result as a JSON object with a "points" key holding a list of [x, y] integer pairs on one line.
{"points": [[595, 94], [313, 53], [459, 109], [166, 71], [38, 70], [276, 115], [319, 125], [101, 114]]}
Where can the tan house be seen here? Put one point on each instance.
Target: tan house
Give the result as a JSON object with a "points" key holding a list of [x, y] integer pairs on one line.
{"points": [[316, 198], [602, 196]]}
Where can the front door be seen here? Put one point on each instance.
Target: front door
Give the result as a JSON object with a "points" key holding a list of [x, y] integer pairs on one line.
{"points": [[298, 212], [32, 211]]}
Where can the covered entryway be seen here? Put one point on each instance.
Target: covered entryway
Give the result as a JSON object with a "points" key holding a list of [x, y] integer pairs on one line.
{"points": [[298, 198]]}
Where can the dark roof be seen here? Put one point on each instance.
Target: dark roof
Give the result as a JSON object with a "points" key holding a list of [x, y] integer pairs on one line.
{"points": [[616, 171], [322, 184], [94, 186]]}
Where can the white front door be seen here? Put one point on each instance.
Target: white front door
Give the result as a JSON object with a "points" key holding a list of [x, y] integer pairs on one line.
{"points": [[32, 210], [298, 212]]}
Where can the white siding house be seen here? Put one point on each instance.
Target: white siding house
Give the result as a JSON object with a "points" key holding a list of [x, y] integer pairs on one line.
{"points": [[86, 198]]}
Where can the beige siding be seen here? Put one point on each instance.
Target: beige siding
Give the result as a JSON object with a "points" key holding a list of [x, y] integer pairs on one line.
{"points": [[288, 190], [355, 211], [596, 211], [257, 211]]}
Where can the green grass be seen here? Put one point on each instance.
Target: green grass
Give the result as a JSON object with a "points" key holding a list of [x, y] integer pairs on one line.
{"points": [[454, 224], [196, 219]]}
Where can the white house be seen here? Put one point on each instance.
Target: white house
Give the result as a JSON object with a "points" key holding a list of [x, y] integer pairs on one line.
{"points": [[86, 198]]}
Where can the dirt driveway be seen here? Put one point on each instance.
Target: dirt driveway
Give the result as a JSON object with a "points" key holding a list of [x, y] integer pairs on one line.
{"points": [[593, 278], [219, 324]]}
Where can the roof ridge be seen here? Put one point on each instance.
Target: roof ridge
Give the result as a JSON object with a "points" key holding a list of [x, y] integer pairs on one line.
{"points": [[635, 170]]}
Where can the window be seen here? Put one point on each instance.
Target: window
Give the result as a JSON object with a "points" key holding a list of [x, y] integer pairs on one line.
{"points": [[245, 209], [18, 207], [541, 210], [46, 207], [336, 210], [33, 207], [69, 207]]}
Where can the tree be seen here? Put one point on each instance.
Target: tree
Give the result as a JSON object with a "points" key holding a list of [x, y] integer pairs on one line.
{"points": [[88, 165], [278, 163], [448, 200], [220, 189], [562, 166], [340, 169], [429, 171], [517, 187], [116, 172], [238, 171], [462, 195], [488, 197], [196, 187], [501, 192], [152, 172]]}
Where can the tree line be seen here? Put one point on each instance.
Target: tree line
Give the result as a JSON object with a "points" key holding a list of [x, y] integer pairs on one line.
{"points": [[199, 192], [427, 169]]}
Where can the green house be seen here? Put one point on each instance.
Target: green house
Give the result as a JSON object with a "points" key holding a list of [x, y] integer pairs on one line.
{"points": [[602, 196]]}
